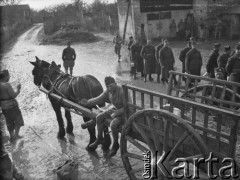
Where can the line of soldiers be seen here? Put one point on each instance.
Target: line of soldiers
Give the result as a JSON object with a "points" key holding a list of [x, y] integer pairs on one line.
{"points": [[160, 60], [217, 66], [150, 60]]}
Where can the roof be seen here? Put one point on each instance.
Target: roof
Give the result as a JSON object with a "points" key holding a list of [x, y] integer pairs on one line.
{"points": [[233, 10], [20, 7]]}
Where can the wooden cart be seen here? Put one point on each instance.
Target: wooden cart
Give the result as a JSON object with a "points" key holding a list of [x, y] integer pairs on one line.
{"points": [[184, 128]]}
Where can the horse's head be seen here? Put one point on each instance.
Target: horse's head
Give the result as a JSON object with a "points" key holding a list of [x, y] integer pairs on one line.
{"points": [[38, 71]]}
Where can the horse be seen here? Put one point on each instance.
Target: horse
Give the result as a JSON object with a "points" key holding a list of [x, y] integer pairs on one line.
{"points": [[72, 88]]}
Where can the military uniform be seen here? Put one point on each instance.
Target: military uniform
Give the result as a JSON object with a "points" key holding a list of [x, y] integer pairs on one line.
{"points": [[193, 62], [212, 63], [136, 57], [166, 62], [68, 57], [148, 54], [222, 61], [233, 68], [182, 57], [117, 46]]}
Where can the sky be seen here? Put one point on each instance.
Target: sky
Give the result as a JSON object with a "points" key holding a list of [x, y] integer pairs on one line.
{"points": [[41, 4]]}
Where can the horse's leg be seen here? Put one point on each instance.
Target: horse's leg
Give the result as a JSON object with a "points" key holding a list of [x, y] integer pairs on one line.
{"points": [[107, 139], [69, 127], [57, 108], [92, 133]]}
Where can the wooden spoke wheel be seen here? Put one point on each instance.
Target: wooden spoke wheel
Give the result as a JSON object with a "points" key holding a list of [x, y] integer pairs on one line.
{"points": [[162, 132]]}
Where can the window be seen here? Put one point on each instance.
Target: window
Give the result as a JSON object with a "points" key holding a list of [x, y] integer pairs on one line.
{"points": [[160, 15]]}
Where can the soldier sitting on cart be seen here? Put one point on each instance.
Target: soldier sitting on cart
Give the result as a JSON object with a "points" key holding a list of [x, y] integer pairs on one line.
{"points": [[113, 95]]}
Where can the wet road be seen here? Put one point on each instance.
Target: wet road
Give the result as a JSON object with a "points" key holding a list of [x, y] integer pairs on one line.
{"points": [[39, 152]]}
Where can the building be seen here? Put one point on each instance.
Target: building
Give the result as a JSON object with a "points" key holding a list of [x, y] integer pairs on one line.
{"points": [[166, 18], [14, 19], [12, 14]]}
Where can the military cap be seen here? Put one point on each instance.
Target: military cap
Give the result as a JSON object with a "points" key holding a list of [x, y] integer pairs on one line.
{"points": [[227, 48], [217, 45], [109, 80]]}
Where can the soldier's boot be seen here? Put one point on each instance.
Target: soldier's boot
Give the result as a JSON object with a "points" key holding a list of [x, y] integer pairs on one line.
{"points": [[114, 149], [98, 141]]}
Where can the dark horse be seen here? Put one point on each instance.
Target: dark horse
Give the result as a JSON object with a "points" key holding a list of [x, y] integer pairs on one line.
{"points": [[72, 88]]}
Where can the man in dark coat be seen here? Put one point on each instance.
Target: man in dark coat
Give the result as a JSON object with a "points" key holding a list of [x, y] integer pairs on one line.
{"points": [[68, 57], [137, 59], [148, 54], [167, 61], [193, 61], [158, 67], [130, 43], [182, 56], [222, 60], [233, 67], [212, 61]]}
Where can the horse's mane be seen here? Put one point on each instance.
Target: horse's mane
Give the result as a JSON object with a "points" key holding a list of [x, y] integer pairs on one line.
{"points": [[45, 64]]}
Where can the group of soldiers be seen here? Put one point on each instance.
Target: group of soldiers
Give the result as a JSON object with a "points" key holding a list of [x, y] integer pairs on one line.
{"points": [[150, 60], [160, 60]]}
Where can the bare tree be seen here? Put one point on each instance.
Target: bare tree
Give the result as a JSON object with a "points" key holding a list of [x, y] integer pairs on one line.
{"points": [[10, 2]]}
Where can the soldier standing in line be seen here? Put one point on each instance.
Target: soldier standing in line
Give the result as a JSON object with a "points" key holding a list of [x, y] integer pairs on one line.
{"points": [[158, 67], [212, 61], [223, 59], [193, 61], [182, 57], [233, 66], [137, 58], [130, 43], [148, 54], [167, 62], [117, 41], [68, 57]]}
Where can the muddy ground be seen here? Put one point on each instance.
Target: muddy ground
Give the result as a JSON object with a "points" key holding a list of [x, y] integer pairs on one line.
{"points": [[39, 151]]}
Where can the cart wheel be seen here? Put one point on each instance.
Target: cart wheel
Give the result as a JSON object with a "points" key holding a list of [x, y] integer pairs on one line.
{"points": [[159, 131], [206, 91]]}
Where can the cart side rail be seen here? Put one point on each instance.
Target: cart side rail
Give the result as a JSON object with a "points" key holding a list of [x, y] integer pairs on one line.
{"points": [[220, 93], [218, 127]]}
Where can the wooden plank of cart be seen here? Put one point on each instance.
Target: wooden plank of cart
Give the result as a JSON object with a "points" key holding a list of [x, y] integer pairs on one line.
{"points": [[193, 133], [182, 129]]}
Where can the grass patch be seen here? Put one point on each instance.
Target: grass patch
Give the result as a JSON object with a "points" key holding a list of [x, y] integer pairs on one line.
{"points": [[61, 37]]}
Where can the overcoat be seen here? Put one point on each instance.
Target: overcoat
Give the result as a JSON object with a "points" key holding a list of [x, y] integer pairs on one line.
{"points": [[193, 62], [212, 63], [136, 57], [148, 54], [233, 68], [182, 57], [167, 62]]}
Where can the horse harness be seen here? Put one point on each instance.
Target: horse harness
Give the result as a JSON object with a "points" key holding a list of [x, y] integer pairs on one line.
{"points": [[59, 83]]}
